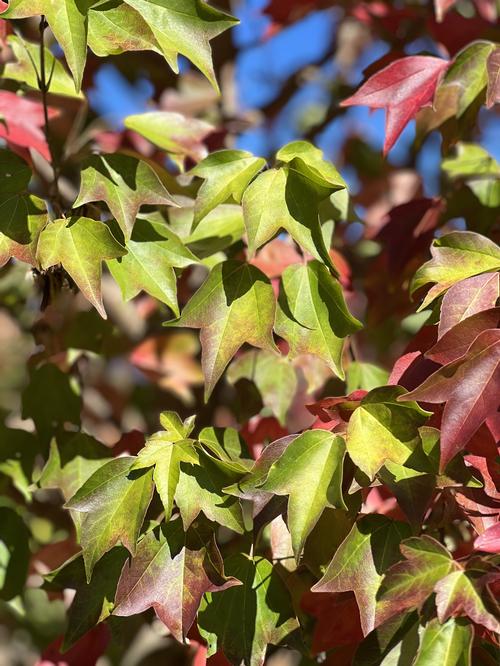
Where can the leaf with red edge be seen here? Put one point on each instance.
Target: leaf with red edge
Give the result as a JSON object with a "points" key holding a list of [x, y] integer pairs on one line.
{"points": [[402, 89], [461, 593], [493, 89], [466, 298], [170, 572], [338, 409], [22, 122], [470, 386], [455, 342], [489, 540]]}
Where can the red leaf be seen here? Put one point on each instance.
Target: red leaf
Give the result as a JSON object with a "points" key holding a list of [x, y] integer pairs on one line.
{"points": [[483, 452], [22, 120], [336, 410], [337, 619], [402, 89], [468, 297], [275, 257], [489, 541], [470, 386], [85, 652], [458, 339]]}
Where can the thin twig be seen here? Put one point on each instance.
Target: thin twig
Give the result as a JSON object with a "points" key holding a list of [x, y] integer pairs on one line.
{"points": [[44, 86]]}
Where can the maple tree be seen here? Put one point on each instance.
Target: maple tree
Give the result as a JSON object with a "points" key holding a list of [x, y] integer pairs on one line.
{"points": [[249, 403]]}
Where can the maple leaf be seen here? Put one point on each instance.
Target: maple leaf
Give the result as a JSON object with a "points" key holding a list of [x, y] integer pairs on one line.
{"points": [[114, 501], [456, 256], [170, 572], [234, 305], [489, 540], [470, 386], [448, 644], [493, 67], [310, 487], [68, 20], [153, 251], [467, 298], [460, 593], [402, 89], [265, 613], [186, 28], [125, 183], [22, 120], [80, 245], [358, 565], [407, 584], [312, 314]]}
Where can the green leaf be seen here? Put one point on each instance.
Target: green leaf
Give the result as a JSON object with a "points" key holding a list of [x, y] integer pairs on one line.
{"points": [[456, 256], [153, 253], [274, 376], [174, 427], [165, 456], [365, 376], [234, 305], [15, 173], [460, 594], [80, 245], [200, 489], [50, 400], [312, 314], [15, 553], [94, 600], [71, 462], [284, 199], [409, 583], [18, 452], [178, 135], [227, 444], [115, 28], [310, 472], [392, 432], [392, 644], [447, 644], [125, 183], [412, 488], [26, 69], [369, 549], [170, 572], [227, 174], [68, 20], [471, 160], [22, 219], [185, 27], [469, 71], [244, 620], [220, 229], [308, 160], [114, 500]]}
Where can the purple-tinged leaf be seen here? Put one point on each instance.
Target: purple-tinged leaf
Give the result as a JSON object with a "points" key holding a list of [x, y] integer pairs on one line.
{"points": [[467, 298]]}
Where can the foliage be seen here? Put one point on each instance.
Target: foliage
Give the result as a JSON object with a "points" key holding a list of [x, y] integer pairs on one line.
{"points": [[325, 481]]}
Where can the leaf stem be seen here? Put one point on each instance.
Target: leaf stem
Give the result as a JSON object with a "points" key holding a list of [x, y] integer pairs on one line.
{"points": [[44, 85]]}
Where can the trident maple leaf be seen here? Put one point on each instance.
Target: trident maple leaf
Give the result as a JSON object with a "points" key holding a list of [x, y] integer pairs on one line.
{"points": [[402, 89]]}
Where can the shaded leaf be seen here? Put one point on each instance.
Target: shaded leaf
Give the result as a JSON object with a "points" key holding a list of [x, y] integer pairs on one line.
{"points": [[234, 305], [185, 27], [412, 488], [456, 256], [153, 252], [170, 572], [407, 584], [114, 500], [27, 66], [392, 432], [15, 173], [244, 620], [274, 377], [22, 219], [125, 183], [402, 89], [312, 314], [14, 553], [80, 245], [310, 472], [369, 549], [470, 386], [308, 160], [227, 174]]}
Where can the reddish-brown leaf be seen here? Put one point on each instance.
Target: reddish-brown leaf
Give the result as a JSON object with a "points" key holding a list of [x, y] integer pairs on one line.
{"points": [[470, 387], [489, 541], [402, 89], [493, 67], [441, 7], [22, 122], [337, 619]]}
